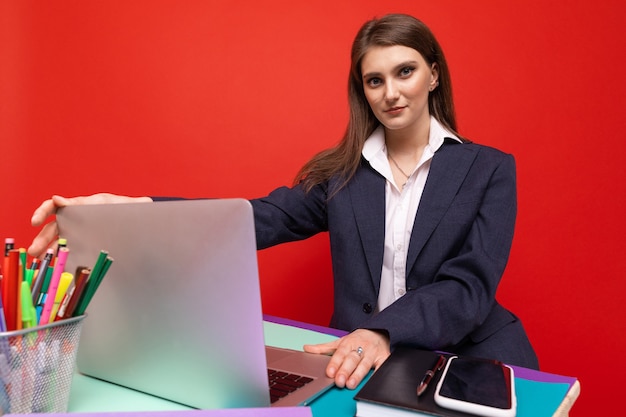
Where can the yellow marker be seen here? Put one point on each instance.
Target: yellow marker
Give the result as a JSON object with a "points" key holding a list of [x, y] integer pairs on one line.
{"points": [[64, 283]]}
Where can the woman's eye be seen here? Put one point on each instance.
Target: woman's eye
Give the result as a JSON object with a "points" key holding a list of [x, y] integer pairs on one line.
{"points": [[406, 71], [374, 82]]}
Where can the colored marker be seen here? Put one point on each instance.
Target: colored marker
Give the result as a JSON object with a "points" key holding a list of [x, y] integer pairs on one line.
{"points": [[92, 284], [64, 284], [34, 264], [61, 243], [29, 317], [54, 285], [93, 287], [23, 268], [82, 279], [44, 292], [20, 278], [30, 272], [64, 303], [11, 300], [9, 244], [41, 276], [28, 277]]}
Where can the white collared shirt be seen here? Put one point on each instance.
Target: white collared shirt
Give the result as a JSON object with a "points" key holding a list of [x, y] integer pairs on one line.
{"points": [[401, 205]]}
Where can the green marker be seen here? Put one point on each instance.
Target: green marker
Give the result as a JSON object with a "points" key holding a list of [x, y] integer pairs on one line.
{"points": [[23, 262], [28, 277], [29, 316], [93, 283], [45, 286]]}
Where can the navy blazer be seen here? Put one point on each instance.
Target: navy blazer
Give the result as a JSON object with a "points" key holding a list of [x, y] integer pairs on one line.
{"points": [[457, 254]]}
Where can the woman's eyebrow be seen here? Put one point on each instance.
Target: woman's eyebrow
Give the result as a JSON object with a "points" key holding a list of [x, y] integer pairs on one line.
{"points": [[394, 69]]}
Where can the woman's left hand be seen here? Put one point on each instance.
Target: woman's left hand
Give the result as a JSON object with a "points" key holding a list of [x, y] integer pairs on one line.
{"points": [[353, 356]]}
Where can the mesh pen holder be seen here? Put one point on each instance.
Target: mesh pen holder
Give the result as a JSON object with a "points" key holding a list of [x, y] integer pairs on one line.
{"points": [[37, 366]]}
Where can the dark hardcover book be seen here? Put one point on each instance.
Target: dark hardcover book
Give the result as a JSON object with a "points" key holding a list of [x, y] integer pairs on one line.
{"points": [[392, 389]]}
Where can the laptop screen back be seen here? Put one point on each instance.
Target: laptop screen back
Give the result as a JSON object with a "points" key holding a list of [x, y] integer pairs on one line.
{"points": [[178, 314]]}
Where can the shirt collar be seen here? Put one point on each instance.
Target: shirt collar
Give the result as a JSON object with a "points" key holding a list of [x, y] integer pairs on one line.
{"points": [[375, 143], [438, 134]]}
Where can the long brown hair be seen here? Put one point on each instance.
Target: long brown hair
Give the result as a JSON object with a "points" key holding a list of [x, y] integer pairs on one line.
{"points": [[393, 29]]}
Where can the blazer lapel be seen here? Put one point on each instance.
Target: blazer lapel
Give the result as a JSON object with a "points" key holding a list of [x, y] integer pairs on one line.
{"points": [[448, 169], [367, 194]]}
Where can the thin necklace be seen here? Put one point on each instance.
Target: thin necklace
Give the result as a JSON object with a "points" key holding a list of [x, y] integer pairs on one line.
{"points": [[399, 169]]}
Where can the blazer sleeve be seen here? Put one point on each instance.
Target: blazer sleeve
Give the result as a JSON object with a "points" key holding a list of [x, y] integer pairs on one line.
{"points": [[289, 214], [285, 215], [443, 309]]}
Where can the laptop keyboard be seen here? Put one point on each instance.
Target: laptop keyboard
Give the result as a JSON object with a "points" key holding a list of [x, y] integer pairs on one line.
{"points": [[284, 383]]}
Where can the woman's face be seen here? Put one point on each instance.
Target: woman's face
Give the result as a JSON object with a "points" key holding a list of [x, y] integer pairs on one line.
{"points": [[397, 81]]}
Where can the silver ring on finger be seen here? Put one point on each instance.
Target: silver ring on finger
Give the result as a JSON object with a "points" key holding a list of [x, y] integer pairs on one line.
{"points": [[359, 351]]}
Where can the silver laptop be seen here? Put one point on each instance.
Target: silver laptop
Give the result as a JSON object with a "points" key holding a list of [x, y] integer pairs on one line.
{"points": [[178, 315]]}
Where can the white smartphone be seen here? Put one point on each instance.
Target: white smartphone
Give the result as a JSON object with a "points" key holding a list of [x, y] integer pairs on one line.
{"points": [[477, 386]]}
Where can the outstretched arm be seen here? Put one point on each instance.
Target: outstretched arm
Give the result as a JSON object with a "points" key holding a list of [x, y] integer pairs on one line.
{"points": [[50, 231]]}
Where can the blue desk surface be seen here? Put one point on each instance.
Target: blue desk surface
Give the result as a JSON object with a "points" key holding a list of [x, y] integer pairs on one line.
{"points": [[539, 393]]}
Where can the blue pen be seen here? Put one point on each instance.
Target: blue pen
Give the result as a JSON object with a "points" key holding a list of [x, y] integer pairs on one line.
{"points": [[39, 310]]}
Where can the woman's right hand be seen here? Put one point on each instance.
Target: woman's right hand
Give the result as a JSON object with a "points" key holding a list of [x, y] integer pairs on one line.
{"points": [[49, 233]]}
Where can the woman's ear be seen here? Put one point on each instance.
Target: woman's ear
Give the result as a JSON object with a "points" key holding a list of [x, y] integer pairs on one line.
{"points": [[434, 76]]}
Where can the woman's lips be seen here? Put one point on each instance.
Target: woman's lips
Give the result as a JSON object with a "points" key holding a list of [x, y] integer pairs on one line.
{"points": [[394, 110]]}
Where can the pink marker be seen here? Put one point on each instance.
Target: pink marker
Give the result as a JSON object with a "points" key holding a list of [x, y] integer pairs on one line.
{"points": [[54, 285]]}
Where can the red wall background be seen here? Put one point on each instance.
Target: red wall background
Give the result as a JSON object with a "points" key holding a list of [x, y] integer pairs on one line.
{"points": [[229, 99]]}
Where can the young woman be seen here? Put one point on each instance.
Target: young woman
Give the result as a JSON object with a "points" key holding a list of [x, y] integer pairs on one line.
{"points": [[420, 220]]}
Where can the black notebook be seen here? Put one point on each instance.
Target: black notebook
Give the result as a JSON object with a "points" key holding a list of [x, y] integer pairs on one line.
{"points": [[392, 389]]}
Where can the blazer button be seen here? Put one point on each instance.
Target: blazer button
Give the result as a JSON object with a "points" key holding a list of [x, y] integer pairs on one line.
{"points": [[367, 308]]}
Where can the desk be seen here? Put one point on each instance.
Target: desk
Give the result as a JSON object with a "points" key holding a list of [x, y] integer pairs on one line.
{"points": [[539, 393]]}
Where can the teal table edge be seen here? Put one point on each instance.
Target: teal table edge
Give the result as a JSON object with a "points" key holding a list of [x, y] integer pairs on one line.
{"points": [[90, 395]]}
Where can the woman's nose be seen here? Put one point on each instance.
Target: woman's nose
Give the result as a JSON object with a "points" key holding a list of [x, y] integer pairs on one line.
{"points": [[391, 91]]}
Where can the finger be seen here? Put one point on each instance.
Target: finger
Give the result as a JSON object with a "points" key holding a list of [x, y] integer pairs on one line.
{"points": [[322, 348], [60, 201], [361, 370], [41, 213], [48, 208], [44, 239], [346, 364], [329, 348], [344, 361]]}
